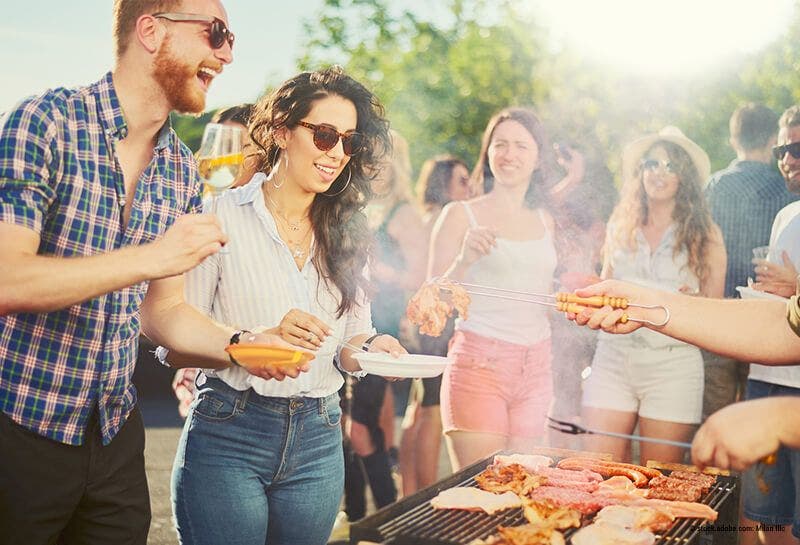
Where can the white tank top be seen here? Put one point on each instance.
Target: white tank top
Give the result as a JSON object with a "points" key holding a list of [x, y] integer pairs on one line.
{"points": [[525, 265]]}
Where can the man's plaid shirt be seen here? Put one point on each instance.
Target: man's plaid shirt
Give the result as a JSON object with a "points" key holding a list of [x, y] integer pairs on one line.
{"points": [[59, 176]]}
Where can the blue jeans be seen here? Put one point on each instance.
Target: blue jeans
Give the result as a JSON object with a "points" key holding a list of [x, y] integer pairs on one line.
{"points": [[782, 504], [254, 470]]}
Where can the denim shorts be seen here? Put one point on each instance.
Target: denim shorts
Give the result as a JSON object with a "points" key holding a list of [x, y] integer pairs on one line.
{"points": [[782, 504], [252, 469], [496, 387]]}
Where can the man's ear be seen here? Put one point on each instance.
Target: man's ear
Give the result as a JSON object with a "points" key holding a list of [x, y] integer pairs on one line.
{"points": [[149, 33]]}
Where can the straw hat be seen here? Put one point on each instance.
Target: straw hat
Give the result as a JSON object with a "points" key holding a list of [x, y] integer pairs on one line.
{"points": [[634, 151]]}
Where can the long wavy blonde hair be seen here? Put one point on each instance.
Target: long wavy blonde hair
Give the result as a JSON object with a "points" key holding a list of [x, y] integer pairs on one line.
{"points": [[691, 216]]}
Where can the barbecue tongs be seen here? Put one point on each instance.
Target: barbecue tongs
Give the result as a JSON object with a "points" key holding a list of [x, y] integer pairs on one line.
{"points": [[565, 302], [574, 429]]}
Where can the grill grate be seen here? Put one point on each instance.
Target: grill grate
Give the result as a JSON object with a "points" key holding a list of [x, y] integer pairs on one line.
{"points": [[412, 521]]}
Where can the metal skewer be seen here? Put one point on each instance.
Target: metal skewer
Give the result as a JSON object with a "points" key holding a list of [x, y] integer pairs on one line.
{"points": [[567, 302]]}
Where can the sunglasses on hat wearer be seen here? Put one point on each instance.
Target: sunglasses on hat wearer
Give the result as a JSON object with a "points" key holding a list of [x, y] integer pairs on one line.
{"points": [[218, 32], [779, 152], [651, 165], [326, 137]]}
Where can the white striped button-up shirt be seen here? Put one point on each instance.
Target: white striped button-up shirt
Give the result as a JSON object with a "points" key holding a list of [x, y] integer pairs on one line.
{"points": [[255, 282]]}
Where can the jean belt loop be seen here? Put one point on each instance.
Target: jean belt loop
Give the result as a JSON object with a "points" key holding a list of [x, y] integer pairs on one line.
{"points": [[241, 402]]}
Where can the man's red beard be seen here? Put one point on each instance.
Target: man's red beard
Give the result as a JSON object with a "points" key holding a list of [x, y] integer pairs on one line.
{"points": [[177, 80]]}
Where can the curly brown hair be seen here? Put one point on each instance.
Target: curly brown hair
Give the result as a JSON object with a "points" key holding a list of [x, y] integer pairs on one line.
{"points": [[340, 225], [693, 222]]}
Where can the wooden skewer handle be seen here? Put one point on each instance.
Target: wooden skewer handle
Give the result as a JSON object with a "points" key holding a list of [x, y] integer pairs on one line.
{"points": [[576, 309], [596, 301]]}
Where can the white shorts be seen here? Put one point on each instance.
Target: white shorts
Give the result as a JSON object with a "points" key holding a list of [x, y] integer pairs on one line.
{"points": [[664, 383]]}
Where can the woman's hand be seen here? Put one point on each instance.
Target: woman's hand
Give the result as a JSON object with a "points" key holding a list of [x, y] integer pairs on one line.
{"points": [[478, 242], [184, 388], [268, 371], [303, 329], [389, 345]]}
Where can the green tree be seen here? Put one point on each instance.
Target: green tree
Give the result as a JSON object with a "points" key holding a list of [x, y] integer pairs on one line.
{"points": [[440, 81]]}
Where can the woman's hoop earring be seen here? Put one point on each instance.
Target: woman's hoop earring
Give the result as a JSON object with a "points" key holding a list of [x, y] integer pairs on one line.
{"points": [[347, 183], [274, 168]]}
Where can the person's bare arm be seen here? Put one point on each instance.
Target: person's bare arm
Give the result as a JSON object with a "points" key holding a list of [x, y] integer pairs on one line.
{"points": [[762, 425], [34, 283], [455, 245], [194, 340], [749, 330]]}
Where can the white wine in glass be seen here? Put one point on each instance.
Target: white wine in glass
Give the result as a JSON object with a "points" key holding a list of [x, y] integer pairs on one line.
{"points": [[220, 156], [219, 160]]}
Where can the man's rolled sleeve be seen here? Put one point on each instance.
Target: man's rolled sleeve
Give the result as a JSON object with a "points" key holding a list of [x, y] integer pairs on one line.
{"points": [[27, 157]]}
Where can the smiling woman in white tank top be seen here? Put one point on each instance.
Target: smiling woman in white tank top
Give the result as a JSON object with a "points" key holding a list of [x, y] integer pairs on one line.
{"points": [[496, 393]]}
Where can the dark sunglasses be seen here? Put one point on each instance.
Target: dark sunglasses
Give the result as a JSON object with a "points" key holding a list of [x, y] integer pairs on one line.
{"points": [[651, 165], [326, 137], [779, 152], [218, 33]]}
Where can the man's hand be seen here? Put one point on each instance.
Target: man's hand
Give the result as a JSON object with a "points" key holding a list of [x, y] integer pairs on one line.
{"points": [[189, 240], [607, 318], [739, 435]]}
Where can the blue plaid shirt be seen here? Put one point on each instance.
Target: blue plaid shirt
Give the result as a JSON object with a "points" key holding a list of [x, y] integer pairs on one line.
{"points": [[60, 177], [744, 200]]}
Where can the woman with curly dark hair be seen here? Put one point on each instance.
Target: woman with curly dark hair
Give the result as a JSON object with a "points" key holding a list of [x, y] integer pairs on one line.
{"points": [[661, 234], [262, 459]]}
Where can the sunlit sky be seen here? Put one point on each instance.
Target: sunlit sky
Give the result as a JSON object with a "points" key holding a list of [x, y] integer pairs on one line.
{"points": [[46, 43]]}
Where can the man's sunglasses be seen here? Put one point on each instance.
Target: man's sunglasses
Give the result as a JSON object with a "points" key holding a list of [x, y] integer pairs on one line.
{"points": [[218, 33], [779, 152], [651, 165], [326, 137]]}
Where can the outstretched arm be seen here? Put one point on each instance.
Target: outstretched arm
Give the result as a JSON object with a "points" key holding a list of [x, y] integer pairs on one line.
{"points": [[751, 330]]}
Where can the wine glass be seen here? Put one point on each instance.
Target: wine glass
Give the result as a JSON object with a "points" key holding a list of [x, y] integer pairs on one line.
{"points": [[219, 160]]}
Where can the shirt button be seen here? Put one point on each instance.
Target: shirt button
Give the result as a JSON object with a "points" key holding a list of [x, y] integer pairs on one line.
{"points": [[121, 201]]}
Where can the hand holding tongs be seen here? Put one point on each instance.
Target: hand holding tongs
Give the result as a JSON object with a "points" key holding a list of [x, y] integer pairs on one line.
{"points": [[568, 302], [574, 429]]}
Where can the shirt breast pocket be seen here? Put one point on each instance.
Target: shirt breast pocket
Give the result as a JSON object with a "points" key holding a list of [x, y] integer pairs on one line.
{"points": [[158, 215]]}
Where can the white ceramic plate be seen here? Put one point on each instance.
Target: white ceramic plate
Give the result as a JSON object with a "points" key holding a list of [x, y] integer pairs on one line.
{"points": [[746, 292], [406, 366]]}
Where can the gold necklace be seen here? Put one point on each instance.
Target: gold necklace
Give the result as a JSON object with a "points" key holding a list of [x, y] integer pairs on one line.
{"points": [[297, 248], [293, 226]]}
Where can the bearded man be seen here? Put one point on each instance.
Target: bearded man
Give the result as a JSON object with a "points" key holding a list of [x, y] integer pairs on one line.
{"points": [[99, 204]]}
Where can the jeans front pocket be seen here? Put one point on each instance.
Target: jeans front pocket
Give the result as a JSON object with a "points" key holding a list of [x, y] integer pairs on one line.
{"points": [[214, 406]]}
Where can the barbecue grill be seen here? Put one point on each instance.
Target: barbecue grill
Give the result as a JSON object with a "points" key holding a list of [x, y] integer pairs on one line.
{"points": [[412, 521]]}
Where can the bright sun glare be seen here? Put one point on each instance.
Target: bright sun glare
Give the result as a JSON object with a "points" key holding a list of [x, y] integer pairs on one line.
{"points": [[666, 38]]}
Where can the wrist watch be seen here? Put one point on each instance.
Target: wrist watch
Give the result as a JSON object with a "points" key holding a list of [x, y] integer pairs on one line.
{"points": [[235, 340], [365, 346]]}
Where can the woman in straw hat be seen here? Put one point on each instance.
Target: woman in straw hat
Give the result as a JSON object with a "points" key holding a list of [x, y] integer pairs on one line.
{"points": [[660, 234]]}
